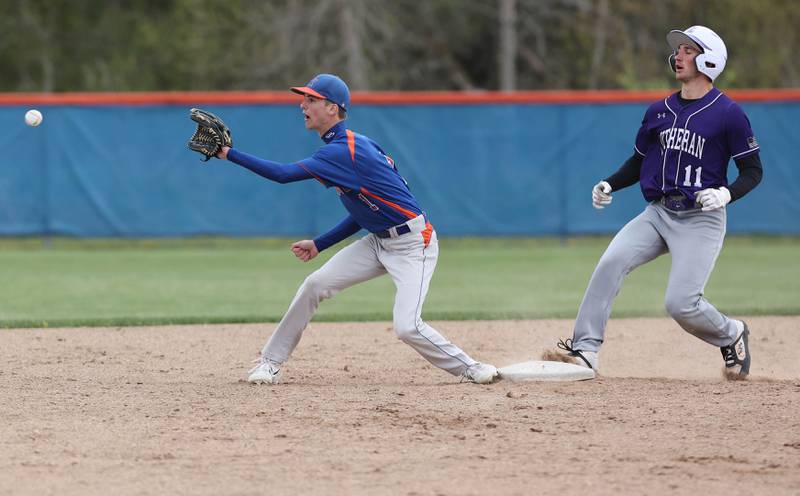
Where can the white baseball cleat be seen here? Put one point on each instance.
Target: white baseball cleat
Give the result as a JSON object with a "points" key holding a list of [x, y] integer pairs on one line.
{"points": [[586, 359], [265, 372], [480, 373]]}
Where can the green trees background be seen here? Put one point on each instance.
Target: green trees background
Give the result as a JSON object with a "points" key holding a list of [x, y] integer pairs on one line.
{"points": [[154, 45]]}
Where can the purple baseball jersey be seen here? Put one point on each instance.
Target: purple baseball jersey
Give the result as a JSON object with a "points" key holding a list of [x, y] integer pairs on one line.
{"points": [[687, 148]]}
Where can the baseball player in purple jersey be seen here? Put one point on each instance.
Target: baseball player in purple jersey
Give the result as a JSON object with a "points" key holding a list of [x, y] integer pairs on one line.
{"points": [[680, 160], [401, 242]]}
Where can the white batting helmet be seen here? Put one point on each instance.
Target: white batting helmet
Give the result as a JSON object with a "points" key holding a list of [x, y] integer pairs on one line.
{"points": [[713, 54]]}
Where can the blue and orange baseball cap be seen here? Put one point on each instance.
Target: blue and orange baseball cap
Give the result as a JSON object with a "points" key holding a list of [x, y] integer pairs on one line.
{"points": [[327, 87]]}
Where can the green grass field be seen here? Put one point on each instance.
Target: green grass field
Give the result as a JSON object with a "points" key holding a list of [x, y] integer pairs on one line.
{"points": [[66, 282]]}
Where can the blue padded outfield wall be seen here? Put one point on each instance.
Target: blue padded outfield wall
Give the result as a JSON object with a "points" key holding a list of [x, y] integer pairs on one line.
{"points": [[478, 170]]}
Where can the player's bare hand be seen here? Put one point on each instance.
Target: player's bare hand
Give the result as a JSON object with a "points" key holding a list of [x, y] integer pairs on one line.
{"points": [[712, 198], [223, 152], [305, 250], [600, 195]]}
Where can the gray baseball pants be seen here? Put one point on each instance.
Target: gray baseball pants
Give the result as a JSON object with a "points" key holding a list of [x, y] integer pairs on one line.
{"points": [[410, 264], [694, 239]]}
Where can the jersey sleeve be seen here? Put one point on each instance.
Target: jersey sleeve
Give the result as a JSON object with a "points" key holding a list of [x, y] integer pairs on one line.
{"points": [[741, 141], [280, 173], [643, 137], [342, 230], [332, 166]]}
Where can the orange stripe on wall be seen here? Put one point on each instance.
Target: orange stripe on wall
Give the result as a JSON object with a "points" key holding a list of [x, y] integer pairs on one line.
{"points": [[377, 98], [151, 98]]}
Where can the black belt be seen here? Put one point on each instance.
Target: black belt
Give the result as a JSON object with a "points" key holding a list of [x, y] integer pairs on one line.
{"points": [[679, 203], [401, 229]]}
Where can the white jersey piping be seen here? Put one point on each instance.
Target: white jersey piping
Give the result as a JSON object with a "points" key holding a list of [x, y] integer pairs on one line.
{"points": [[686, 129]]}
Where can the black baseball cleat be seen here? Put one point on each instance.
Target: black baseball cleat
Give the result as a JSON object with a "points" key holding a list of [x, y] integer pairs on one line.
{"points": [[737, 354]]}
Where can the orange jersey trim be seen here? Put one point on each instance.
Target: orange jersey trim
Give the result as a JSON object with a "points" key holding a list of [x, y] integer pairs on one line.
{"points": [[351, 144], [312, 174], [407, 213], [189, 98], [426, 234]]}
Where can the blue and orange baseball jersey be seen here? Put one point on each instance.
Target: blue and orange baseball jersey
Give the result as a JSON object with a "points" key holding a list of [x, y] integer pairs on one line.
{"points": [[368, 183]]}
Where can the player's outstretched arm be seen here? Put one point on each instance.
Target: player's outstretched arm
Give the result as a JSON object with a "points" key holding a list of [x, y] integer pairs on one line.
{"points": [[274, 171]]}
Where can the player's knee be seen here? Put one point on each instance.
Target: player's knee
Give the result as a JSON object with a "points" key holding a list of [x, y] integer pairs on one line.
{"points": [[405, 329], [316, 286], [610, 265], [680, 307]]}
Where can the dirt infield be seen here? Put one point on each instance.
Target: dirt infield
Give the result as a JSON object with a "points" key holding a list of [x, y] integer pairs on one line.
{"points": [[165, 410]]}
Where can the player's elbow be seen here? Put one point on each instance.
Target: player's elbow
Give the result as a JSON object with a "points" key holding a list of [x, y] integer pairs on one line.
{"points": [[758, 174], [281, 178], [274, 174]]}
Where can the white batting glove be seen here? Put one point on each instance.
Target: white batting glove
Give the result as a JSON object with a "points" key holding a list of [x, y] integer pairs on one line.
{"points": [[712, 199], [600, 195]]}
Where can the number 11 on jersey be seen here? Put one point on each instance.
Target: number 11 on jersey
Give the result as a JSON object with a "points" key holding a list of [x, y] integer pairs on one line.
{"points": [[688, 180]]}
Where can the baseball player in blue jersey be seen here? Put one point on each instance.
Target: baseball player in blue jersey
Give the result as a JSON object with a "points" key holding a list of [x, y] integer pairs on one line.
{"points": [[680, 160], [401, 241]]}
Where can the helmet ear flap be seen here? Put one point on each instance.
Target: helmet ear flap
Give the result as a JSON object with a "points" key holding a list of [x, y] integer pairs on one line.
{"points": [[709, 64], [671, 62]]}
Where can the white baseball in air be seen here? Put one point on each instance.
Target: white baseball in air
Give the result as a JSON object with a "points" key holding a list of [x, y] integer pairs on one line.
{"points": [[33, 117]]}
